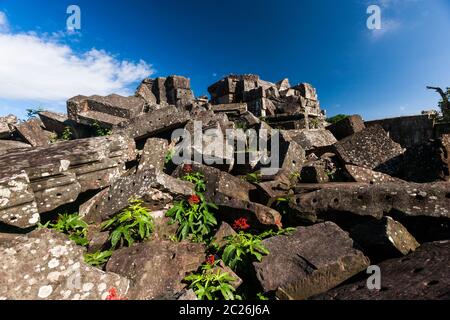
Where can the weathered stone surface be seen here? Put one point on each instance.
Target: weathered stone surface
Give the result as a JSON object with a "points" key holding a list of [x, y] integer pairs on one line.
{"points": [[17, 203], [173, 90], [230, 192], [231, 108], [32, 133], [426, 162], [152, 123], [412, 200], [154, 154], [347, 127], [312, 260], [407, 131], [359, 174], [322, 170], [7, 146], [422, 275], [224, 231], [383, 239], [54, 122], [371, 149], [134, 186], [45, 265], [58, 173], [98, 239], [104, 111], [312, 139], [6, 124], [156, 268]]}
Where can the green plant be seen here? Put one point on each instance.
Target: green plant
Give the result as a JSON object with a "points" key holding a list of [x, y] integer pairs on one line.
{"points": [[337, 118], [242, 248], [97, 258], [33, 113], [99, 131], [212, 284], [72, 225], [197, 179], [194, 217], [255, 177], [261, 297], [66, 135], [134, 223]]}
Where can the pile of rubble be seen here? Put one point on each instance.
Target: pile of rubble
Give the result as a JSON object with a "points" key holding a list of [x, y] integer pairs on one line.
{"points": [[354, 196]]}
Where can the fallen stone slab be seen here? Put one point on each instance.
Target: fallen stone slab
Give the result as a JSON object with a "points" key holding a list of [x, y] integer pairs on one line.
{"points": [[347, 127], [7, 146], [54, 122], [372, 149], [104, 111], [111, 202], [45, 265], [58, 173], [32, 133], [312, 139], [224, 231], [6, 125], [410, 199], [152, 123], [422, 275], [18, 206], [359, 174], [383, 239], [154, 154], [426, 162], [311, 260], [156, 268]]}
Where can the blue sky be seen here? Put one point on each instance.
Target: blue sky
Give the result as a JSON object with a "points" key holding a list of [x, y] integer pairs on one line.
{"points": [[377, 74]]}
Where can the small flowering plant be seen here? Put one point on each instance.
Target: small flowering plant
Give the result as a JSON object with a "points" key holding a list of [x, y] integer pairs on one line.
{"points": [[241, 224], [112, 295], [195, 217]]}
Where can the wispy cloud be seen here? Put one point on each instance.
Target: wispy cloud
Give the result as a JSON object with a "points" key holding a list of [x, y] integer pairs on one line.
{"points": [[40, 67]]}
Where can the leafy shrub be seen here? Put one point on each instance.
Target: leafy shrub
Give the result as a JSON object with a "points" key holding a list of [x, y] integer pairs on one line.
{"points": [[97, 258], [72, 225], [212, 284], [195, 218], [134, 223], [66, 135], [242, 248], [197, 179]]}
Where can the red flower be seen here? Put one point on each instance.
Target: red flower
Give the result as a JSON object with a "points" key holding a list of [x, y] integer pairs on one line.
{"points": [[278, 223], [112, 295], [241, 224], [187, 168], [194, 200], [210, 260]]}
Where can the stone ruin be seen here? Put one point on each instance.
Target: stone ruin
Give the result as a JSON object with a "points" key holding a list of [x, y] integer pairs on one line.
{"points": [[356, 193]]}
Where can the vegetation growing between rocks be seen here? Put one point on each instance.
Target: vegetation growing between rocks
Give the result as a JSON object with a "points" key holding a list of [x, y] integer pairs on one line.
{"points": [[99, 131], [212, 284], [195, 215], [97, 259], [132, 224], [33, 113], [72, 225]]}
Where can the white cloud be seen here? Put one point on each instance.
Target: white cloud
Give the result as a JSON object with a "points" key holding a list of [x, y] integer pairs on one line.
{"points": [[36, 67]]}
